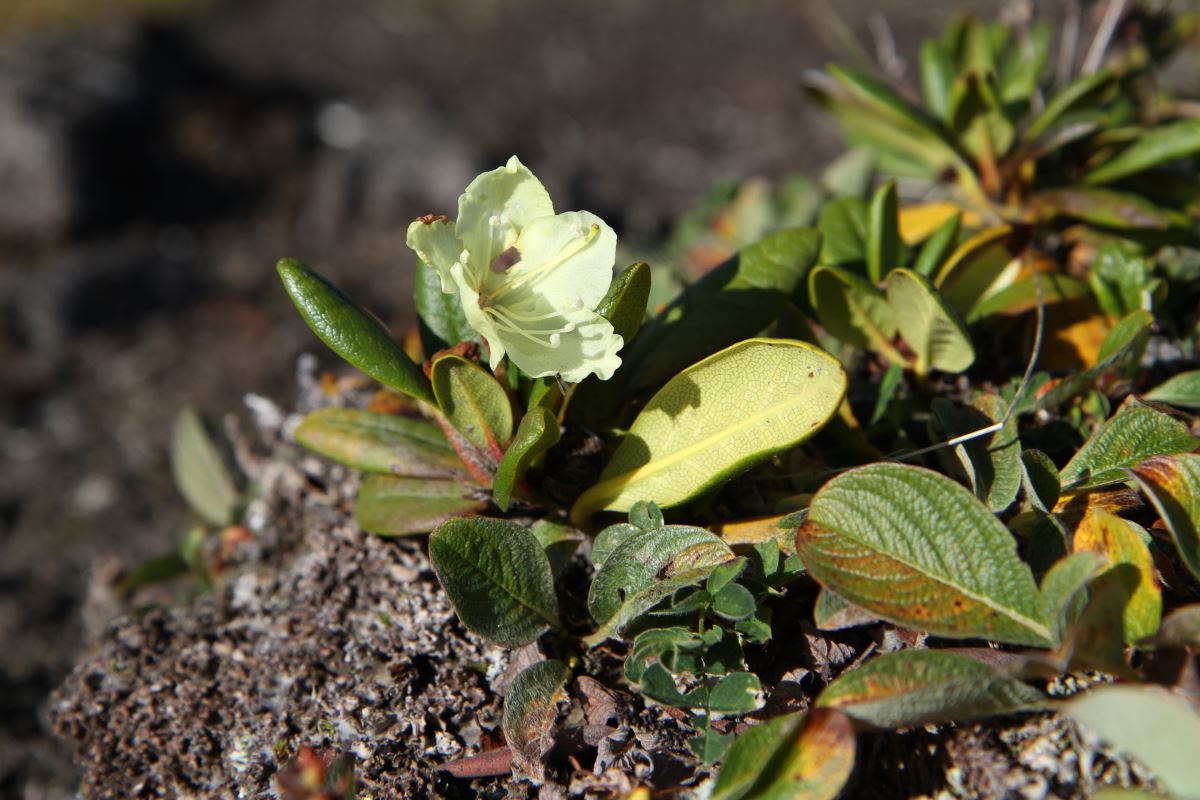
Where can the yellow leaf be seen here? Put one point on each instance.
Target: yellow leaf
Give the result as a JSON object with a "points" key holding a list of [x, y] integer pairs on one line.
{"points": [[919, 221]]}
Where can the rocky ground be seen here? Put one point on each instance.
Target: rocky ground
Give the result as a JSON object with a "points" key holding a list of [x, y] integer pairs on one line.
{"points": [[154, 167]]}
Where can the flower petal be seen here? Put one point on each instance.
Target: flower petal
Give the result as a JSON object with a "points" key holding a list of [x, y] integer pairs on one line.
{"points": [[480, 322], [434, 241], [493, 210], [567, 258], [574, 344]]}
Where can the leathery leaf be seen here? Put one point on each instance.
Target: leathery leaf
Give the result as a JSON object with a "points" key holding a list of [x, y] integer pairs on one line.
{"points": [[716, 419]]}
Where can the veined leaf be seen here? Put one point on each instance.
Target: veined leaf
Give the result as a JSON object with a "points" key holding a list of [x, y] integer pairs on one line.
{"points": [[397, 506], [1114, 538], [917, 549], [992, 464], [474, 402], [1173, 485], [716, 419], [1135, 433], [916, 687], [1156, 146], [646, 568], [559, 543], [537, 433], [1150, 723], [1022, 296], [530, 710], [794, 757], [351, 332], [376, 442], [736, 300], [202, 466], [497, 577], [928, 324]]}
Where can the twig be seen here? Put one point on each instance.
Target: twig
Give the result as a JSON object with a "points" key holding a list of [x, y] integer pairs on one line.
{"points": [[1068, 43], [1104, 34]]}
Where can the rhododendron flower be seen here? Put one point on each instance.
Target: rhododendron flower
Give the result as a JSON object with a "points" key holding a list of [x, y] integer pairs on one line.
{"points": [[529, 279]]}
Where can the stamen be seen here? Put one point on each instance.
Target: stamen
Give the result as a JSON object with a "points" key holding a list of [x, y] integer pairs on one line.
{"points": [[501, 317], [522, 278]]}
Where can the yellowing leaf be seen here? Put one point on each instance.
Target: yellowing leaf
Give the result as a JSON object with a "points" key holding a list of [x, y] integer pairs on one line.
{"points": [[919, 221], [917, 549], [1115, 539], [716, 419]]}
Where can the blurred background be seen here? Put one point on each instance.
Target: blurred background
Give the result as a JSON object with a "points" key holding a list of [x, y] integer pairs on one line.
{"points": [[158, 156]]}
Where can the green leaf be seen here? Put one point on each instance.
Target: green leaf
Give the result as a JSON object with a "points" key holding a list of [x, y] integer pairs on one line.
{"points": [[853, 310], [732, 302], [889, 385], [1156, 146], [1080, 90], [938, 248], [442, 322], [351, 332], [609, 539], [917, 549], [734, 602], [397, 506], [1021, 296], [625, 303], [497, 577], [793, 757], [1116, 540], [1135, 433], [992, 464], [1121, 210], [1063, 589], [937, 76], [559, 543], [202, 465], [1173, 485], [717, 419], [928, 324], [1039, 476], [883, 233], [916, 687], [537, 433], [1179, 390], [873, 114], [657, 684], [727, 572], [736, 693], [645, 569], [657, 644], [850, 174], [474, 402], [530, 710], [376, 442], [1150, 723], [843, 225], [832, 613]]}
